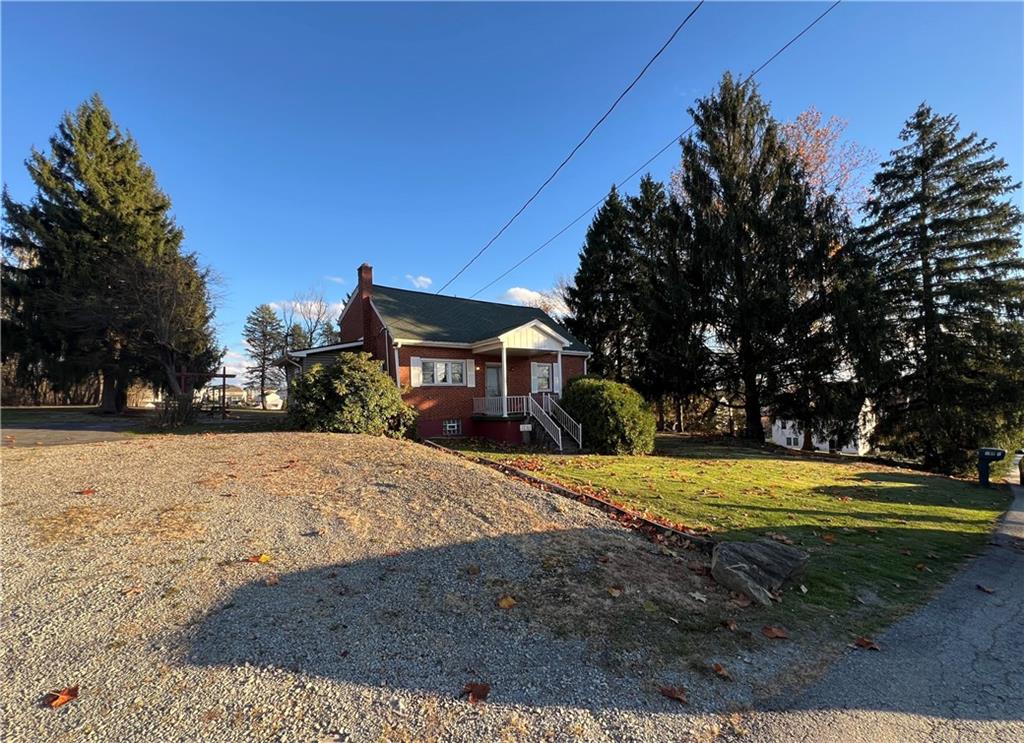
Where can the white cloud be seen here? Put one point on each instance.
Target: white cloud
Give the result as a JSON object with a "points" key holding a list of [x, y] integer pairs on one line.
{"points": [[336, 279], [236, 361], [420, 282], [547, 301]]}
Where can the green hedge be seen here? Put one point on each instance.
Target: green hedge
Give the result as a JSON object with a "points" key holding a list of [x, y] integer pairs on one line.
{"points": [[352, 395], [615, 418]]}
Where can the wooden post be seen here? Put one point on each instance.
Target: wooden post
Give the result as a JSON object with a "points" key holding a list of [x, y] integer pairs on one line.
{"points": [[224, 395]]}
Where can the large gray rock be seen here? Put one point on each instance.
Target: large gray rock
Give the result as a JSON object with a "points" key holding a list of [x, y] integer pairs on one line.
{"points": [[757, 569]]}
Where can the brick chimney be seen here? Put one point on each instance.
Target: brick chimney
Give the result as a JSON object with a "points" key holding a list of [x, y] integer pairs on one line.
{"points": [[365, 294]]}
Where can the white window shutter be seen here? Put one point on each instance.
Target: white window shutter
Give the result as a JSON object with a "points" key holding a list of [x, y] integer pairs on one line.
{"points": [[415, 372], [470, 374], [533, 377], [556, 378]]}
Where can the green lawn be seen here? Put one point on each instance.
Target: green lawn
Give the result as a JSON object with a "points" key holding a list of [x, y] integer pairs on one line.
{"points": [[881, 539]]}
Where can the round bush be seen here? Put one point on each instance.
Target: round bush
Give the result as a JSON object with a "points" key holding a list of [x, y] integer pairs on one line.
{"points": [[352, 395], [615, 418]]}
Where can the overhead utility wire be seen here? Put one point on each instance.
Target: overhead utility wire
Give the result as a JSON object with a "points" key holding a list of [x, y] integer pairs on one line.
{"points": [[654, 157], [573, 151]]}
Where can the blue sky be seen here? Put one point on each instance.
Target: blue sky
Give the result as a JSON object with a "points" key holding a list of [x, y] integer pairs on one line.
{"points": [[298, 140]]}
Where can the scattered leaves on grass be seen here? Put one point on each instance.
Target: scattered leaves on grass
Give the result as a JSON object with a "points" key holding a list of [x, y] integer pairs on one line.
{"points": [[721, 671], [506, 602], [131, 590], [778, 537], [614, 591], [477, 692], [261, 558], [55, 699], [774, 632], [742, 600], [922, 568], [86, 491], [730, 624], [866, 643], [830, 538], [678, 693], [985, 589]]}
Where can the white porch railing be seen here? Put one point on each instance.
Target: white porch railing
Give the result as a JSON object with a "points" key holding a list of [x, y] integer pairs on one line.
{"points": [[515, 405], [537, 411], [574, 429]]}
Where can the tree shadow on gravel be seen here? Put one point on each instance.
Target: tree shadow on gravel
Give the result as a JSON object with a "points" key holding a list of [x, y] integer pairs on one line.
{"points": [[601, 619], [590, 628]]}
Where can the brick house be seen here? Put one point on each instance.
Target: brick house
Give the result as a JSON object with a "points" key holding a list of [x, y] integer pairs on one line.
{"points": [[470, 368]]}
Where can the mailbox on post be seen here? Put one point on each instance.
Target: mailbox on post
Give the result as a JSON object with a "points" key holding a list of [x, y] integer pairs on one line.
{"points": [[987, 456]]}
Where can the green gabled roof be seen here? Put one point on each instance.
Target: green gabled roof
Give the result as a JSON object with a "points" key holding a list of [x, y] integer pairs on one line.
{"points": [[439, 318]]}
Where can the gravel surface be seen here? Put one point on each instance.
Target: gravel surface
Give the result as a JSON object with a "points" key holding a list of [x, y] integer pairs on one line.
{"points": [[126, 574]]}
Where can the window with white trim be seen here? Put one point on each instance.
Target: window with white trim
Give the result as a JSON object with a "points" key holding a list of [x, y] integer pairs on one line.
{"points": [[440, 372], [452, 427], [543, 378]]}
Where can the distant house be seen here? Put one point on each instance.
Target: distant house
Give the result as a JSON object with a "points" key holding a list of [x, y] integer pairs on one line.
{"points": [[789, 434], [469, 368], [274, 400], [233, 394]]}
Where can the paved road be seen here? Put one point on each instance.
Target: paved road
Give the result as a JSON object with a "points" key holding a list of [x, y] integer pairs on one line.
{"points": [[953, 671], [54, 427]]}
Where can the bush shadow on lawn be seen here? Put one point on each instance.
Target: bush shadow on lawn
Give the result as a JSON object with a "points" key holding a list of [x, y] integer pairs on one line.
{"points": [[427, 620]]}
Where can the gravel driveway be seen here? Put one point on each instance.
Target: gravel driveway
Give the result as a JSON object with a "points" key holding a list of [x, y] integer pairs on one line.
{"points": [[127, 574]]}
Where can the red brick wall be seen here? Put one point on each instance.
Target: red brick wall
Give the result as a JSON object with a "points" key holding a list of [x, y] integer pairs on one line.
{"points": [[439, 403]]}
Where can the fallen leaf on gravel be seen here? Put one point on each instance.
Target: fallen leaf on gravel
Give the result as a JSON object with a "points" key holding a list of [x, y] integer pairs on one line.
{"points": [[271, 580], [332, 738], [614, 591], [698, 596], [677, 693], [775, 632], [86, 491], [506, 602], [985, 589], [228, 495], [477, 692], [721, 671], [55, 699], [730, 624], [867, 643], [262, 558], [131, 590]]}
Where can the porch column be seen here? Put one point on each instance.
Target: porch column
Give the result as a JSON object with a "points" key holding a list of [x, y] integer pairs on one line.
{"points": [[561, 377], [504, 382]]}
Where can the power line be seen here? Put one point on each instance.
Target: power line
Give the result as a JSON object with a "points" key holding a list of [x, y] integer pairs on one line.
{"points": [[651, 159], [574, 149]]}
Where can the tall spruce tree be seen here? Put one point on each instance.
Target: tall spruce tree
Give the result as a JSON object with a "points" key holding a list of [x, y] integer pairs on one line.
{"points": [[748, 209], [600, 298], [946, 239], [98, 280], [264, 339]]}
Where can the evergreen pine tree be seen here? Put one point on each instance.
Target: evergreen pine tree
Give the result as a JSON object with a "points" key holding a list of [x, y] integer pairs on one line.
{"points": [[600, 299], [98, 281], [747, 206], [264, 339], [946, 239]]}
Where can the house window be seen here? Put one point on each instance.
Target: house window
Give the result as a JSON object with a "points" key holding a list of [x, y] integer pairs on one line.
{"points": [[437, 372], [452, 427], [542, 378]]}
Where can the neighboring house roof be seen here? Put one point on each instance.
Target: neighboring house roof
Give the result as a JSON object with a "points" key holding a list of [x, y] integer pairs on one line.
{"points": [[412, 315]]}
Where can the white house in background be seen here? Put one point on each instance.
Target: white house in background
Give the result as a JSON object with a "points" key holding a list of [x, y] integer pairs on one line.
{"points": [[275, 401], [789, 434]]}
